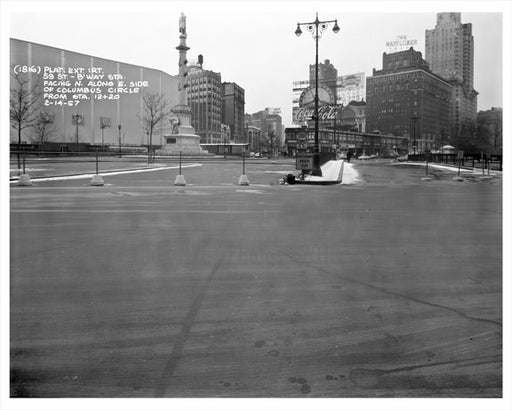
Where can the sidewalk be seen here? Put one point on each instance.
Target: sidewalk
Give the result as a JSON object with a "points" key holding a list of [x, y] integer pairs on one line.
{"points": [[454, 168], [68, 167]]}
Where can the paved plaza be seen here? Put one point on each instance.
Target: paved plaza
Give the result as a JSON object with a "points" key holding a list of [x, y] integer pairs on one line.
{"points": [[385, 287]]}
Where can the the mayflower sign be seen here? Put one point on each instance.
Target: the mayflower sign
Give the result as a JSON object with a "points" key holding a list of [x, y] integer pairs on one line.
{"points": [[400, 43]]}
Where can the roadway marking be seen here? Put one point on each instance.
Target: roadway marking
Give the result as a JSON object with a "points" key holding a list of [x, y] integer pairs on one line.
{"points": [[172, 211], [251, 191], [172, 188], [107, 173]]}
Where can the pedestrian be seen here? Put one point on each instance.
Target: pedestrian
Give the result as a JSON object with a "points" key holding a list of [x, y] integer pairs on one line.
{"points": [[349, 155]]}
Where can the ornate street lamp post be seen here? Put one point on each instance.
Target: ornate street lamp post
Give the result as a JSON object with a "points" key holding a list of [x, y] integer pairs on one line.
{"points": [[316, 28]]}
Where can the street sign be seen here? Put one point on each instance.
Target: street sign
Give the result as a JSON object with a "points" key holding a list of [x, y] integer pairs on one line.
{"points": [[77, 119], [304, 163], [460, 155], [105, 122]]}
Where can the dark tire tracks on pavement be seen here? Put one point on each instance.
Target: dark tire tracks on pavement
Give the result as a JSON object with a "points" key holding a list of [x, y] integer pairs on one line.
{"points": [[165, 380], [387, 291]]}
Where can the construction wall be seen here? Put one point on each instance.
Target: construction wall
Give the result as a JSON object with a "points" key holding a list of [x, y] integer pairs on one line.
{"points": [[94, 88]]}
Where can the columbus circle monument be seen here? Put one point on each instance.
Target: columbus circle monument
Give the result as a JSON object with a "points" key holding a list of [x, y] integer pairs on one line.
{"points": [[183, 138]]}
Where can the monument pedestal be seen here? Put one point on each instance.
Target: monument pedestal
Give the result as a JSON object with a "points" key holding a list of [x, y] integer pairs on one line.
{"points": [[183, 138], [187, 144]]}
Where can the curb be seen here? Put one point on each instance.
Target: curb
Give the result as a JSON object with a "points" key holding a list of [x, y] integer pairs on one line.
{"points": [[90, 174]]}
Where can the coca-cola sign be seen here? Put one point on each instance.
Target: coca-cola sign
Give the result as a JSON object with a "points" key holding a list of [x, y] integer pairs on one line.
{"points": [[325, 113]]}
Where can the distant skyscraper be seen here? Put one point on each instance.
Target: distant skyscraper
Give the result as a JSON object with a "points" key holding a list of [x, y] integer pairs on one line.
{"points": [[327, 74], [233, 110], [449, 52], [204, 88]]}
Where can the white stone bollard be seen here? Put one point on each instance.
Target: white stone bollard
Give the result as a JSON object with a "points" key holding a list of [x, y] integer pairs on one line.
{"points": [[24, 180], [97, 180], [243, 180], [180, 180]]}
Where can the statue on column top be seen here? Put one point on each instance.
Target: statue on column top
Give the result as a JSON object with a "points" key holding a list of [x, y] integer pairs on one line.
{"points": [[183, 24]]}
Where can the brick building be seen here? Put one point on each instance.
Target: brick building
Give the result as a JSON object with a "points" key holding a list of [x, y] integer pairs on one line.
{"points": [[268, 121], [233, 110], [405, 98]]}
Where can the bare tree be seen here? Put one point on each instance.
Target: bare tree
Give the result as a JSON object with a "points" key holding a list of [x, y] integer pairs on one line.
{"points": [[44, 127], [497, 134], [471, 139], [441, 139], [271, 144], [156, 111], [24, 103]]}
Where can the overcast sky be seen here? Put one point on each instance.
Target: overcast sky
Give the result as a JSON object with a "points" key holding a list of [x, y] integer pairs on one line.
{"points": [[253, 44]]}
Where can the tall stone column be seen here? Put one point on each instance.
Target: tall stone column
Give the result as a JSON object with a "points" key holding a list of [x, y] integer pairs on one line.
{"points": [[182, 64], [183, 138], [182, 113]]}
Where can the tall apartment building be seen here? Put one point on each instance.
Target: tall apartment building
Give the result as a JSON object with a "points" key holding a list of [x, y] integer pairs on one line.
{"points": [[233, 110], [327, 74], [406, 99], [204, 92], [449, 52]]}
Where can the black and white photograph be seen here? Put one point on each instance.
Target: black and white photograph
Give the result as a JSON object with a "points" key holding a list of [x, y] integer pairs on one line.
{"points": [[231, 204]]}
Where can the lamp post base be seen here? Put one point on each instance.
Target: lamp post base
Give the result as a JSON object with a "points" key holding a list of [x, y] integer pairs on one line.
{"points": [[316, 171]]}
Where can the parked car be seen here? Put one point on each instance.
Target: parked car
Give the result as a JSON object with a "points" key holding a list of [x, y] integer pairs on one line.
{"points": [[364, 157]]}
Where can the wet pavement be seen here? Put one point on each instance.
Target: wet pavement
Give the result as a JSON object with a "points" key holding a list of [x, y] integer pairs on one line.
{"points": [[388, 287]]}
